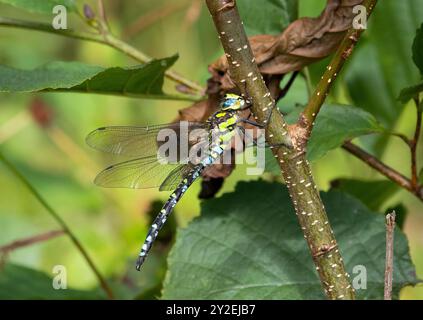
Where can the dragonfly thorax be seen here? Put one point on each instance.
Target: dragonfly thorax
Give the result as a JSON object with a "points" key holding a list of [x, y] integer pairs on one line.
{"points": [[222, 128]]}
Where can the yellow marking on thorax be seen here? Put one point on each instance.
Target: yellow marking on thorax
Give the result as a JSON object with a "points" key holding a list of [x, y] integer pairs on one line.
{"points": [[227, 136], [229, 122]]}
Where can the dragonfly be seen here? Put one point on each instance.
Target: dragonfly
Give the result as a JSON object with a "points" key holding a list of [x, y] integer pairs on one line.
{"points": [[147, 170]]}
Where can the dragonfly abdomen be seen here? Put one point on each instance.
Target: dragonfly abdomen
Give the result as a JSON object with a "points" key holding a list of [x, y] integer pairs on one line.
{"points": [[167, 209]]}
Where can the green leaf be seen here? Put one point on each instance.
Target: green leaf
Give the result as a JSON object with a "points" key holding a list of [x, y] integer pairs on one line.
{"points": [[421, 176], [267, 16], [410, 92], [51, 76], [418, 49], [372, 193], [143, 81], [334, 125], [19, 283], [381, 65], [41, 6], [247, 245], [337, 123]]}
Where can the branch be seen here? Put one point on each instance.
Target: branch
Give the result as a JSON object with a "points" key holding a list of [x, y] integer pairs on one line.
{"points": [[105, 39], [414, 144], [285, 89], [30, 241], [344, 51], [389, 262], [387, 171], [103, 17], [146, 20], [412, 185], [62, 223], [291, 158]]}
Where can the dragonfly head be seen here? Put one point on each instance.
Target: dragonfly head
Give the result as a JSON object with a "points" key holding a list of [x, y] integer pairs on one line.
{"points": [[233, 102]]}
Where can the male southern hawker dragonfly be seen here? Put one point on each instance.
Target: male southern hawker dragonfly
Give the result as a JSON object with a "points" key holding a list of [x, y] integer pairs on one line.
{"points": [[147, 170]]}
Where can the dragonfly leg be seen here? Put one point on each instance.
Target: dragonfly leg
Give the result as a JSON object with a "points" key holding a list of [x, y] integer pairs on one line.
{"points": [[281, 95], [253, 123], [247, 135]]}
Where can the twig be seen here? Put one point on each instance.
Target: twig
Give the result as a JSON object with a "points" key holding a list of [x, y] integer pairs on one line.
{"points": [[414, 145], [307, 78], [14, 125], [387, 171], [412, 185], [389, 263], [107, 39], [30, 241], [150, 18], [103, 17], [402, 136], [286, 88], [62, 223], [344, 51], [193, 14], [294, 166]]}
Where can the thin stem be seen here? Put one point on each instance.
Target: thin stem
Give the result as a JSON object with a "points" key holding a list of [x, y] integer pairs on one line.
{"points": [[344, 51], [403, 138], [382, 168], [307, 77], [107, 39], [62, 223], [414, 145], [14, 125], [286, 88], [17, 244], [389, 262], [291, 158], [45, 27], [103, 17], [152, 17]]}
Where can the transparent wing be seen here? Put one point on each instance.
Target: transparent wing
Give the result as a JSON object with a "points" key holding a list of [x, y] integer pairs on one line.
{"points": [[175, 177], [139, 173], [135, 141]]}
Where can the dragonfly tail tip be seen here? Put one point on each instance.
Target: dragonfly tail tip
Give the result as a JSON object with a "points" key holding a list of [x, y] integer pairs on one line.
{"points": [[139, 263]]}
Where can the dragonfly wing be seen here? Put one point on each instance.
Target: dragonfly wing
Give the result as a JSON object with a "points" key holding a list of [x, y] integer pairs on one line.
{"points": [[139, 173], [175, 177], [134, 141]]}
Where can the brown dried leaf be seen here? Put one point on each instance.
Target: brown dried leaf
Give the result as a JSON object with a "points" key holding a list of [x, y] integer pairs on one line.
{"points": [[304, 41]]}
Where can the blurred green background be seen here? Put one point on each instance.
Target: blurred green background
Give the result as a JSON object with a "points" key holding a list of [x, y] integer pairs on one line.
{"points": [[112, 223]]}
